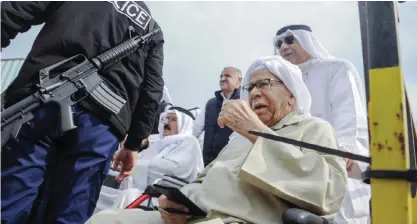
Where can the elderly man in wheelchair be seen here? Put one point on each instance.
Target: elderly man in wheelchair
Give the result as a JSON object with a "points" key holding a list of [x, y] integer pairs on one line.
{"points": [[176, 152], [256, 180]]}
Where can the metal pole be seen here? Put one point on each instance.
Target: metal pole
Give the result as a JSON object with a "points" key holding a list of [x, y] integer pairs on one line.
{"points": [[387, 118]]}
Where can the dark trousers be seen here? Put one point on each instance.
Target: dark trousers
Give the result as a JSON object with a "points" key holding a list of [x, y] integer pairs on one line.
{"points": [[49, 178]]}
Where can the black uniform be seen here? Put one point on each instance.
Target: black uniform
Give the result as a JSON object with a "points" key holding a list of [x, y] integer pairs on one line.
{"points": [[91, 28], [57, 179]]}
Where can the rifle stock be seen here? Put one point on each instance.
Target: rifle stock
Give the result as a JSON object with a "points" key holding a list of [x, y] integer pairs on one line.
{"points": [[17, 116]]}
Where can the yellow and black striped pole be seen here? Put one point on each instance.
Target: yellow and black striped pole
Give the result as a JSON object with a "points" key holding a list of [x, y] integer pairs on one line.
{"points": [[387, 118]]}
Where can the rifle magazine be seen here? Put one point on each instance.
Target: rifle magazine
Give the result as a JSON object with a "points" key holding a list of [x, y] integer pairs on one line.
{"points": [[107, 98]]}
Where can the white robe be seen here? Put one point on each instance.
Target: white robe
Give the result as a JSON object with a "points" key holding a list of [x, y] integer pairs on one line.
{"points": [[249, 181], [337, 98], [182, 159], [178, 155]]}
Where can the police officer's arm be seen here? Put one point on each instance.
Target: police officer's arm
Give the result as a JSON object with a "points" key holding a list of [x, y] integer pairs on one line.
{"points": [[150, 94], [18, 17]]}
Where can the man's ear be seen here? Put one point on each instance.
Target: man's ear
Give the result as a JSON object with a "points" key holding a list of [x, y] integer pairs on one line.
{"points": [[239, 81], [292, 102]]}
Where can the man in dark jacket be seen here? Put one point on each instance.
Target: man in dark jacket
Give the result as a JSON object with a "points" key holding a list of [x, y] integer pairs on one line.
{"points": [[215, 138], [63, 174]]}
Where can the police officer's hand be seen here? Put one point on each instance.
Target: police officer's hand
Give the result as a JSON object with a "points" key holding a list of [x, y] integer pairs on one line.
{"points": [[127, 159]]}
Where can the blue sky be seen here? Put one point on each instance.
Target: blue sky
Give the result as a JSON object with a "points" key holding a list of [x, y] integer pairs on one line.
{"points": [[203, 37]]}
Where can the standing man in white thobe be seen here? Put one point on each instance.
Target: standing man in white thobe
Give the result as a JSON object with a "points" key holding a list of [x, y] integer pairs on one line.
{"points": [[338, 97]]}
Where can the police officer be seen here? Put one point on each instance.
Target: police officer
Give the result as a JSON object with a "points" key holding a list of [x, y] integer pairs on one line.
{"points": [[56, 178]]}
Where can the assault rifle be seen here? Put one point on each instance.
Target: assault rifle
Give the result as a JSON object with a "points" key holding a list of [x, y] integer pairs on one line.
{"points": [[70, 87]]}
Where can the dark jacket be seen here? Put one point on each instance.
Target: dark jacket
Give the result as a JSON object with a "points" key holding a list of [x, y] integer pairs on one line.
{"points": [[215, 138], [90, 28]]}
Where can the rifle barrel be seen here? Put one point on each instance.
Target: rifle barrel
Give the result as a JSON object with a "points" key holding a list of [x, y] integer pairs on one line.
{"points": [[122, 50]]}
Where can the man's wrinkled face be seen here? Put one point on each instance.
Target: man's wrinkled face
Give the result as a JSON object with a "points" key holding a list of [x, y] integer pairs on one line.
{"points": [[291, 50], [229, 80], [269, 97], [170, 124]]}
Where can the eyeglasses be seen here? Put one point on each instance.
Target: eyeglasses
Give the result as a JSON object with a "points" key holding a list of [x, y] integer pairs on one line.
{"points": [[168, 118], [287, 39], [263, 84]]}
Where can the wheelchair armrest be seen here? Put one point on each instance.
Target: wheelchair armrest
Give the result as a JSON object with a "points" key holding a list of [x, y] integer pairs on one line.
{"points": [[152, 192], [166, 180], [299, 216]]}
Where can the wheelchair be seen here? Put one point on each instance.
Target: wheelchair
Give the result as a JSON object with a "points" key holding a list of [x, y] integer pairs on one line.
{"points": [[290, 216]]}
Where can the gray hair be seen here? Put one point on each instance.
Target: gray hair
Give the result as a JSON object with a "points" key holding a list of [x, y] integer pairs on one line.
{"points": [[238, 71]]}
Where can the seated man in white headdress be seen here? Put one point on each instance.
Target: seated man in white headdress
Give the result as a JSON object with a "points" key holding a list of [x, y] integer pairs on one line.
{"points": [[176, 153], [254, 180], [337, 97]]}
